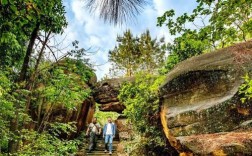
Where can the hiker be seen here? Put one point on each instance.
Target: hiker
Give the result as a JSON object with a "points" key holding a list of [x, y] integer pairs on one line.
{"points": [[94, 129], [109, 131]]}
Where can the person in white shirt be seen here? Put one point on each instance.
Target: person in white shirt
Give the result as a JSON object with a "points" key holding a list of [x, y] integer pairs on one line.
{"points": [[93, 130], [109, 131]]}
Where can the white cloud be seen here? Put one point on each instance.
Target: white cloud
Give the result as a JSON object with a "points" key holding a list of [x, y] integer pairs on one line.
{"points": [[90, 31], [161, 6]]}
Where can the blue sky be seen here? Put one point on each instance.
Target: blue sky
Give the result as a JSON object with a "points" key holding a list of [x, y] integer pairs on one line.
{"points": [[91, 31]]}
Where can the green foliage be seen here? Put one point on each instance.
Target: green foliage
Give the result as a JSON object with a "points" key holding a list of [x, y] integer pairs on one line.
{"points": [[61, 88], [223, 22], [188, 45], [57, 128], [141, 145], [45, 144], [17, 21], [55, 88], [135, 54], [12, 100], [171, 61], [124, 56], [152, 52], [49, 86], [103, 116], [246, 88], [79, 65], [142, 108], [31, 142], [211, 25], [6, 109]]}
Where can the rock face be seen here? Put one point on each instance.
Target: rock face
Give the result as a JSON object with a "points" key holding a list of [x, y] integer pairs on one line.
{"points": [[106, 92], [85, 115], [83, 112], [201, 111], [124, 129], [82, 115]]}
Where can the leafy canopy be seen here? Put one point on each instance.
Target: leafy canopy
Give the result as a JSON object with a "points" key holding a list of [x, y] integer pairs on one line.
{"points": [[133, 54], [211, 25], [17, 20]]}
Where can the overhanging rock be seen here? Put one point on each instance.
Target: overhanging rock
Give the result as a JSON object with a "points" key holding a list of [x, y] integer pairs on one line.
{"points": [[106, 92]]}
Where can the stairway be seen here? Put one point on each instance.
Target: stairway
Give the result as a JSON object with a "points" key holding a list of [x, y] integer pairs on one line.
{"points": [[99, 151]]}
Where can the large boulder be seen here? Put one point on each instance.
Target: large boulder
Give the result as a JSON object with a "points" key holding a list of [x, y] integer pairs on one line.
{"points": [[201, 111], [106, 92]]}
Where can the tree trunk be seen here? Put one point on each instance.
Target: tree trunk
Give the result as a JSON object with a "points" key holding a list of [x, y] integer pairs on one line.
{"points": [[25, 65], [30, 85], [14, 125], [14, 143]]}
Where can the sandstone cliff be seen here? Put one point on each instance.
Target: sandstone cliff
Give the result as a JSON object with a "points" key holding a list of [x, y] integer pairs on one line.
{"points": [[201, 111]]}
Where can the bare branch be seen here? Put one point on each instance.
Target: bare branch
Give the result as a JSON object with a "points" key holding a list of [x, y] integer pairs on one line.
{"points": [[49, 49]]}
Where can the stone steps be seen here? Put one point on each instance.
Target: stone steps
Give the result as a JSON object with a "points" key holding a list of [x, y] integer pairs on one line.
{"points": [[99, 151]]}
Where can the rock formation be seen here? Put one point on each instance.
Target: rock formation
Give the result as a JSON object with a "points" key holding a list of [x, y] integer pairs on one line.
{"points": [[124, 129], [80, 115], [201, 111], [84, 115], [106, 92]]}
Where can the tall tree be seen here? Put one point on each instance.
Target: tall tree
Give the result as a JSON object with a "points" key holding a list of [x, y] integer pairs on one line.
{"points": [[49, 17], [211, 25], [124, 55], [21, 22], [133, 54], [152, 52]]}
